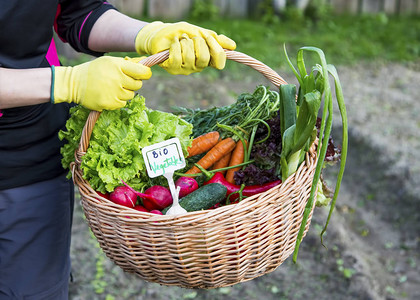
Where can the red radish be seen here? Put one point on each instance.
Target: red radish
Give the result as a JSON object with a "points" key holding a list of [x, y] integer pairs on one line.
{"points": [[123, 196], [157, 212], [187, 185], [140, 208], [155, 197], [106, 196]]}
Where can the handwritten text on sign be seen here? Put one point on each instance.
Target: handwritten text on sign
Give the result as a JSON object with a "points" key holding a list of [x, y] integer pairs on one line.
{"points": [[163, 157]]}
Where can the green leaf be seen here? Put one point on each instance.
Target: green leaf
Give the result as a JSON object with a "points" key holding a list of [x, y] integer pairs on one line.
{"points": [[72, 135], [287, 106], [291, 66], [344, 143], [297, 137], [287, 144], [306, 119]]}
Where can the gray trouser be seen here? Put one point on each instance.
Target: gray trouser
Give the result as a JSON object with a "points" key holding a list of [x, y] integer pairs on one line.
{"points": [[35, 229]]}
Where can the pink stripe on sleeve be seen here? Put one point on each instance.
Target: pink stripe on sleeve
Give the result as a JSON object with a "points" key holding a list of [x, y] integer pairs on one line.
{"points": [[83, 24]]}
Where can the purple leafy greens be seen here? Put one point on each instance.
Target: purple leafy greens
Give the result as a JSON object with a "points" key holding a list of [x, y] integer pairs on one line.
{"points": [[266, 155]]}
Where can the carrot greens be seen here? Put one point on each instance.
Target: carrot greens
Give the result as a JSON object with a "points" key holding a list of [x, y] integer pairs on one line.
{"points": [[244, 114]]}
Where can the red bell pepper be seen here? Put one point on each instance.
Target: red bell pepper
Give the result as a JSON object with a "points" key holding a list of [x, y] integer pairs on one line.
{"points": [[235, 191]]}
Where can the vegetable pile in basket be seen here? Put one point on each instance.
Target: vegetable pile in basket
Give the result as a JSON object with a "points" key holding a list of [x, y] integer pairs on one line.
{"points": [[232, 152]]}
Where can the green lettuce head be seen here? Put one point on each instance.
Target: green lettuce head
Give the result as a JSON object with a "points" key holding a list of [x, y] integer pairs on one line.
{"points": [[116, 143]]}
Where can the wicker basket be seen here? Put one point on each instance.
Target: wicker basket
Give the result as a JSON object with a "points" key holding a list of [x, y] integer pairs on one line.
{"points": [[203, 249]]}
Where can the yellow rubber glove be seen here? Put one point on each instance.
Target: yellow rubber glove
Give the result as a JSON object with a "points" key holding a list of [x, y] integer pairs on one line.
{"points": [[191, 48], [103, 83]]}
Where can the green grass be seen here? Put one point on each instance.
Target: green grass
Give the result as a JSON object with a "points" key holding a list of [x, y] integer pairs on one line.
{"points": [[345, 39]]}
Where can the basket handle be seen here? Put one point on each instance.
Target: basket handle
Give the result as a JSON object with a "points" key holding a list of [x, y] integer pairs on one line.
{"points": [[160, 57], [239, 57]]}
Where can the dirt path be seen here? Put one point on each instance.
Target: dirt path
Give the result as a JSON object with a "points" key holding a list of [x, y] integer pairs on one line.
{"points": [[373, 237]]}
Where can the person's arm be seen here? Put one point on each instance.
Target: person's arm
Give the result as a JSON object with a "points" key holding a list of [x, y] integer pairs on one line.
{"points": [[191, 48], [114, 32], [104, 83], [24, 87]]}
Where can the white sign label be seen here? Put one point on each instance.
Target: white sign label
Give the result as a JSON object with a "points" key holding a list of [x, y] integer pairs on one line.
{"points": [[164, 157]]}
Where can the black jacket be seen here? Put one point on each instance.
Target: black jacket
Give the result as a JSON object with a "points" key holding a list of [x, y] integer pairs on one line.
{"points": [[29, 144]]}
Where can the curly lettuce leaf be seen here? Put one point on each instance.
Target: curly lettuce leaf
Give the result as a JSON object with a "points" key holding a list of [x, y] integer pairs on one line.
{"points": [[72, 135], [114, 152], [171, 126]]}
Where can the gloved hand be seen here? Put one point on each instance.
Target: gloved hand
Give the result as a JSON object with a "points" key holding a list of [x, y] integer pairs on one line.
{"points": [[191, 48], [103, 83]]}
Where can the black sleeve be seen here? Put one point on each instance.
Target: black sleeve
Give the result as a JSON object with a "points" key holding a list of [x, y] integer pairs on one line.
{"points": [[75, 20]]}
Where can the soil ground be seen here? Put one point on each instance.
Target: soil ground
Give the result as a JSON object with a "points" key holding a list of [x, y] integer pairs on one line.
{"points": [[373, 238]]}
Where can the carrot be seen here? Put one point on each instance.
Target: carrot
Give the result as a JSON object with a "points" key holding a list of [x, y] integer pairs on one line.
{"points": [[237, 158], [203, 143], [217, 152], [222, 163]]}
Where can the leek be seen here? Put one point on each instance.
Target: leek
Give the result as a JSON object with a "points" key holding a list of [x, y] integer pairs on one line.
{"points": [[314, 89]]}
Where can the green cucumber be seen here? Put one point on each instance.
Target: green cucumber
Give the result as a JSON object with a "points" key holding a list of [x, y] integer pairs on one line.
{"points": [[202, 198]]}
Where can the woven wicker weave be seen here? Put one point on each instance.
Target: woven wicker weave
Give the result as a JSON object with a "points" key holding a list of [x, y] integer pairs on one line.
{"points": [[204, 249]]}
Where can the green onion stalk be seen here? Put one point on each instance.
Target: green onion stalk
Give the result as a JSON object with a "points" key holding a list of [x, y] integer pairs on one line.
{"points": [[320, 82]]}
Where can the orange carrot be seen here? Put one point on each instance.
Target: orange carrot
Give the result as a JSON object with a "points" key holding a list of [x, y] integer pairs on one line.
{"points": [[215, 153], [203, 143], [236, 159], [222, 163]]}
